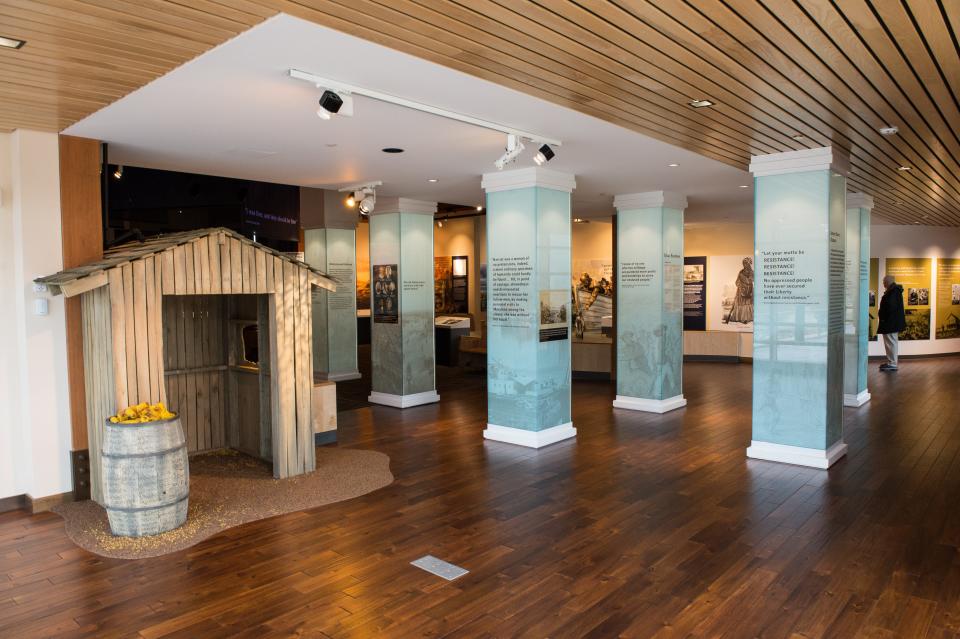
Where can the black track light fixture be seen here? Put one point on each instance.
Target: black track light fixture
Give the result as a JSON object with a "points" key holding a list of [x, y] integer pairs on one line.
{"points": [[330, 103], [544, 155]]}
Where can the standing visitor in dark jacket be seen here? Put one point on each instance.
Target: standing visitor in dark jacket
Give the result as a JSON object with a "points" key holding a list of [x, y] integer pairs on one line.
{"points": [[892, 321]]}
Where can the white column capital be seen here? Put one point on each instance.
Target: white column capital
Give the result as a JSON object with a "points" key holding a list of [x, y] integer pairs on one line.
{"points": [[403, 205], [650, 200], [859, 201], [530, 176], [825, 158]]}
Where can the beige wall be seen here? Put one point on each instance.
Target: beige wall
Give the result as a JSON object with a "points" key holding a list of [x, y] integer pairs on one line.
{"points": [[458, 237], [718, 239], [593, 240]]}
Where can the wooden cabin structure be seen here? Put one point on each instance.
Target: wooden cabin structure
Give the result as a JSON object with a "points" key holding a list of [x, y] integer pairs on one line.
{"points": [[169, 319]]}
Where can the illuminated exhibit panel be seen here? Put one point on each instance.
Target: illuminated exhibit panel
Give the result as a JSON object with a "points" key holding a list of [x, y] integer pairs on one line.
{"points": [[334, 313], [401, 300], [650, 301], [948, 298], [856, 317], [528, 306], [798, 324]]}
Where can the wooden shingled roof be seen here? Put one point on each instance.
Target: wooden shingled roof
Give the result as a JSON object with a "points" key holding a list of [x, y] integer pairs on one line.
{"points": [[80, 279]]}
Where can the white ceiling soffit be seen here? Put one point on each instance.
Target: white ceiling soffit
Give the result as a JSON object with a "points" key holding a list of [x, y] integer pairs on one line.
{"points": [[234, 111]]}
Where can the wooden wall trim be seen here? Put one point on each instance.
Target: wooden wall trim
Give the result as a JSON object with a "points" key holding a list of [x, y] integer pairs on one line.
{"points": [[82, 242]]}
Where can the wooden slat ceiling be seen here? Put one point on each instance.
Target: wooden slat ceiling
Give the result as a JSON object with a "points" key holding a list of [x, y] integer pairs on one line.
{"points": [[783, 74]]}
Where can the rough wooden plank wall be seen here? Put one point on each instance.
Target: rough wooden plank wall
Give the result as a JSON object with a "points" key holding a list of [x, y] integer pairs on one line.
{"points": [[168, 342], [98, 376]]}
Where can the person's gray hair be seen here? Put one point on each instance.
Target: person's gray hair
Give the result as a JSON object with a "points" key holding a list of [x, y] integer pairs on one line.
{"points": [[888, 279]]}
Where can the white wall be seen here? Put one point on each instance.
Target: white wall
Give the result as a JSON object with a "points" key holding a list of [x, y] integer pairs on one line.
{"points": [[34, 411], [887, 240], [11, 480]]}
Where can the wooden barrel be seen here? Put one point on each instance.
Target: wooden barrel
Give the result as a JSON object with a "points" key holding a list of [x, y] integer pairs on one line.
{"points": [[146, 477]]}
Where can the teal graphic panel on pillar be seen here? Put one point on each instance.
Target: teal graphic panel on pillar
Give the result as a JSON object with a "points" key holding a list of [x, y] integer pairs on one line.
{"points": [[856, 317], [416, 302], [799, 298], [401, 303], [649, 303], [333, 251], [863, 320], [528, 308], [386, 340]]}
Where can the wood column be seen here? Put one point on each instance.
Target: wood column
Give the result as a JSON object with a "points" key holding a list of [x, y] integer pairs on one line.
{"points": [[82, 233]]}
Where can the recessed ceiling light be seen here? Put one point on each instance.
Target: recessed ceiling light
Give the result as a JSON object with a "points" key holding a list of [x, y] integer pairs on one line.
{"points": [[330, 146], [479, 208], [904, 168], [699, 104], [392, 149], [11, 43], [798, 138], [889, 130], [432, 180], [744, 186], [673, 164]]}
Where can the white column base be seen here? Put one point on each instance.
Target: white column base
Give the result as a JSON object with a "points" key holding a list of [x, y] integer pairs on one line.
{"points": [[403, 401], [530, 438], [859, 399], [813, 457], [650, 405], [339, 377]]}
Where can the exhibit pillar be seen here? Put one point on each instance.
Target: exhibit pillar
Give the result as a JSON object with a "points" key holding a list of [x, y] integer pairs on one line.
{"points": [[799, 213], [528, 306], [401, 303], [649, 281], [330, 244], [856, 314]]}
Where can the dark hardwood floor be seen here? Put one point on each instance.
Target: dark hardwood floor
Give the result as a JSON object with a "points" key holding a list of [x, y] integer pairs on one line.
{"points": [[645, 526]]}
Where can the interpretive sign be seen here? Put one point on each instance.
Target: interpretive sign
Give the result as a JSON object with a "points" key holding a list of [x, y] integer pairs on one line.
{"points": [[695, 293], [948, 298], [386, 304], [914, 274]]}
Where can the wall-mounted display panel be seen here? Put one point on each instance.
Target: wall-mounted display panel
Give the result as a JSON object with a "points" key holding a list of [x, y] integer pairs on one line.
{"points": [[730, 293], [948, 298], [695, 293], [914, 274]]}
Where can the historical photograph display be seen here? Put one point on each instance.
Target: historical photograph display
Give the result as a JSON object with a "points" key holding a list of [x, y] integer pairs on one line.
{"points": [[695, 293], [553, 315], [948, 298], [449, 284], [592, 297], [730, 293], [386, 295], [914, 274], [483, 288]]}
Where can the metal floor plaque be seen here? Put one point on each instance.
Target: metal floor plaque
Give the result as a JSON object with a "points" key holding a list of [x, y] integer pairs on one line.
{"points": [[439, 567]]}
